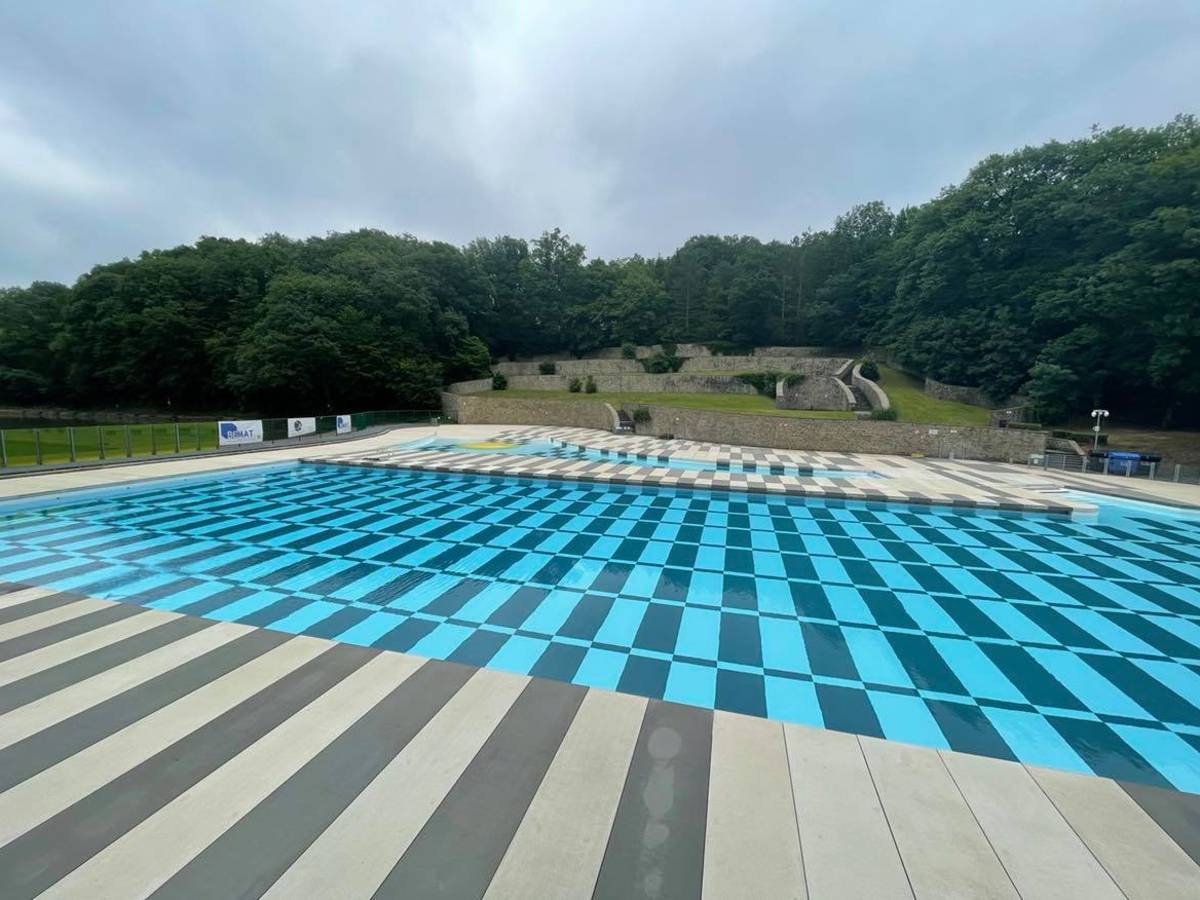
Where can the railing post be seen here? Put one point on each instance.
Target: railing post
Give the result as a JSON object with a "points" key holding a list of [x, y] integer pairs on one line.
{"points": [[153, 441], [1106, 465], [100, 439], [71, 442], [1177, 467], [37, 446], [1083, 467], [128, 444], [4, 454], [199, 446], [1153, 469], [176, 437]]}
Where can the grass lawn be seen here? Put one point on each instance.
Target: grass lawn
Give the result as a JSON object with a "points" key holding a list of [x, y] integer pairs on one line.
{"points": [[20, 449], [913, 405], [745, 404]]}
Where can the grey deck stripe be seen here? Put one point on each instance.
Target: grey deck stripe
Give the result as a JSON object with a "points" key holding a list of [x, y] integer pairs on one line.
{"points": [[459, 849], [9, 587], [656, 848], [1178, 814], [283, 826], [43, 855], [40, 684], [44, 637], [40, 604], [51, 746]]}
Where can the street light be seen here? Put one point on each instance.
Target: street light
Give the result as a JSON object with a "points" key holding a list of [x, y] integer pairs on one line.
{"points": [[1097, 414]]}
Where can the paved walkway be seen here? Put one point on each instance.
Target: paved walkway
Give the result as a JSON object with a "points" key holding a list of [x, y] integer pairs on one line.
{"points": [[146, 753]]}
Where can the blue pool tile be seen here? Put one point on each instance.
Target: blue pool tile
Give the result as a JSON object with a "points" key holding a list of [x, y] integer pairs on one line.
{"points": [[741, 692], [622, 623], [847, 709], [693, 684], [644, 676], [793, 700], [906, 717], [968, 729], [875, 659]]}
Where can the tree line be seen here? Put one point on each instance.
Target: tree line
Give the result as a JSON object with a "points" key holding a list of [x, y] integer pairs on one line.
{"points": [[1068, 273]]}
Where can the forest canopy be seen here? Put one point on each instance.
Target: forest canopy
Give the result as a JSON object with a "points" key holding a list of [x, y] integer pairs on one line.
{"points": [[1068, 273]]}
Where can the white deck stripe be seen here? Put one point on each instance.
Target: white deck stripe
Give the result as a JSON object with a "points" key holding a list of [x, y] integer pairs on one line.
{"points": [[145, 857], [751, 847], [356, 852], [837, 807], [1131, 846], [943, 849], [560, 843], [16, 598], [53, 708], [38, 621], [47, 657], [49, 792], [1044, 857]]}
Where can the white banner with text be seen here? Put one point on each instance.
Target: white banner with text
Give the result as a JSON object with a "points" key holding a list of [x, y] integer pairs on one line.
{"points": [[239, 431], [297, 427]]}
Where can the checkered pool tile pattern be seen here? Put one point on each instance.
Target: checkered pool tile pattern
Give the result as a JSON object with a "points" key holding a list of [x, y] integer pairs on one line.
{"points": [[1050, 641]]}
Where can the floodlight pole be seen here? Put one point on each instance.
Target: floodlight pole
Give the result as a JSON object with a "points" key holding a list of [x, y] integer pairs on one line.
{"points": [[1097, 414]]}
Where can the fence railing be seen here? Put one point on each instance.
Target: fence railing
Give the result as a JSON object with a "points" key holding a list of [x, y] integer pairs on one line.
{"points": [[22, 447], [1166, 470]]}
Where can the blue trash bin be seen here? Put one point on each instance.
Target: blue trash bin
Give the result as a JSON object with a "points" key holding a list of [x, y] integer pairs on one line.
{"points": [[1123, 462]]}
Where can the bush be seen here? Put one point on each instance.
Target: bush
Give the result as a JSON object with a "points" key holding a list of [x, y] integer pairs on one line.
{"points": [[884, 415], [869, 370], [641, 415], [575, 386], [547, 368], [628, 350], [499, 382], [1080, 437], [1025, 426], [763, 382], [793, 379], [589, 386], [661, 363]]}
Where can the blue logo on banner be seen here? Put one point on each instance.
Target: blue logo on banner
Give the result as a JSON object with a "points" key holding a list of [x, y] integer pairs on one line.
{"points": [[342, 423], [230, 430]]}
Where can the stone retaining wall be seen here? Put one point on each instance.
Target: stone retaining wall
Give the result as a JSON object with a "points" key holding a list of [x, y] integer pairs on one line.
{"points": [[875, 395], [574, 367], [959, 393], [829, 435], [640, 384], [814, 392], [807, 365], [470, 387]]}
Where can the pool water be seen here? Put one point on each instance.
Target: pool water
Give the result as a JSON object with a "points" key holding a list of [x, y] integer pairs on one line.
{"points": [[1050, 641], [562, 450]]}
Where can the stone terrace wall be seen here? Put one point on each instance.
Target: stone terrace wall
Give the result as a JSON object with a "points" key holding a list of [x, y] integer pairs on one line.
{"points": [[874, 393], [959, 393], [807, 365], [829, 435], [470, 387], [814, 392], [786, 351], [574, 367], [495, 409], [627, 384]]}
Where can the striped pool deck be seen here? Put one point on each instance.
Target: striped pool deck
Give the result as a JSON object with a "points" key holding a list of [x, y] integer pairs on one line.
{"points": [[149, 753]]}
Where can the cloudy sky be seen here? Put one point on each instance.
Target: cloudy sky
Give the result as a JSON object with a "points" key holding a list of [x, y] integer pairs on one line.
{"points": [[127, 125]]}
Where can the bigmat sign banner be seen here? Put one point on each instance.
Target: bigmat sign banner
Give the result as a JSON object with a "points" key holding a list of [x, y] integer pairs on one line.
{"points": [[239, 431], [343, 424], [297, 427]]}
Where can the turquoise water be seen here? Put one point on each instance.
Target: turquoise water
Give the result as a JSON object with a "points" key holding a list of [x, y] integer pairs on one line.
{"points": [[1037, 638]]}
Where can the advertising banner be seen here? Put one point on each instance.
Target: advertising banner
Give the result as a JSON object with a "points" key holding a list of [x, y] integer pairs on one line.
{"points": [[343, 424], [297, 427], [239, 431]]}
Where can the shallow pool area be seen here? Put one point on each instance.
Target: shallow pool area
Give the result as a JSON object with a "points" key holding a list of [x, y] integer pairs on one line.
{"points": [[556, 449], [1054, 642]]}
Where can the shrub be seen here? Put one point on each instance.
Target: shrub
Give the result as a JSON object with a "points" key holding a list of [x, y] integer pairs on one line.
{"points": [[669, 348], [628, 350], [641, 415], [575, 386], [869, 370], [727, 348], [547, 368], [661, 364], [1025, 426], [589, 386], [884, 415], [499, 382], [793, 379], [763, 382]]}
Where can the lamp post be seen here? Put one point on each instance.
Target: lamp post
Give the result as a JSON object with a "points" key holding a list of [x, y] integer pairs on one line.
{"points": [[1097, 414]]}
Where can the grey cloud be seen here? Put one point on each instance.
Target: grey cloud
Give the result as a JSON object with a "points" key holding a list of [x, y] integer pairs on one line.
{"points": [[131, 125]]}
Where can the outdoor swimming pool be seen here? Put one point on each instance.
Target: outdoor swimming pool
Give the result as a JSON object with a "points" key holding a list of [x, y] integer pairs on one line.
{"points": [[564, 450], [1054, 642]]}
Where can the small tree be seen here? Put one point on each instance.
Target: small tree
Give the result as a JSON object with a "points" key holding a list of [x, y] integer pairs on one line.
{"points": [[499, 382], [575, 386], [547, 368], [629, 350], [590, 386], [869, 370]]}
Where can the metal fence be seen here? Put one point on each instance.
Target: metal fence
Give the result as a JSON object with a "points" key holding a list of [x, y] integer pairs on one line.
{"points": [[1166, 470], [24, 447]]}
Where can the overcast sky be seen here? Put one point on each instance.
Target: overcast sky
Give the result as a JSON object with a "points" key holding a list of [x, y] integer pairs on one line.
{"points": [[130, 125]]}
